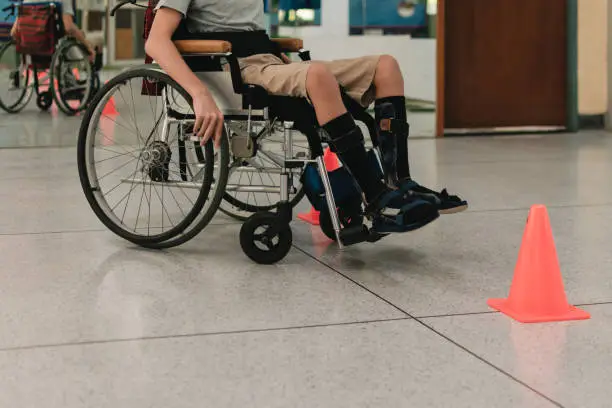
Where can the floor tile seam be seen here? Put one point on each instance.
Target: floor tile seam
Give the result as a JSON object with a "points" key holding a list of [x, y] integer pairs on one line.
{"points": [[48, 178], [430, 328], [8, 234], [483, 360], [462, 163], [46, 147], [593, 304], [553, 206], [83, 231], [501, 161], [491, 312], [459, 314], [199, 335], [354, 282]]}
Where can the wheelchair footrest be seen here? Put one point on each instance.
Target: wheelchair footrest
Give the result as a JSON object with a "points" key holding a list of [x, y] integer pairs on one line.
{"points": [[354, 235], [359, 233]]}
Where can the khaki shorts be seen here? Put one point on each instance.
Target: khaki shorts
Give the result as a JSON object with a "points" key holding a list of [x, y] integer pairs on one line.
{"points": [[355, 75]]}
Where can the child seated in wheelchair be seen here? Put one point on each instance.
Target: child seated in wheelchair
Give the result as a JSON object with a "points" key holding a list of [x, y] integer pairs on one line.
{"points": [[405, 204]]}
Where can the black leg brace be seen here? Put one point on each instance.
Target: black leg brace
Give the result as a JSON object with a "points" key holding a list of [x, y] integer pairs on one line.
{"points": [[393, 133], [348, 142]]}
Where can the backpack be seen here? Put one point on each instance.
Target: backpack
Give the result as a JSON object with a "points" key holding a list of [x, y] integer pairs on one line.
{"points": [[40, 28]]}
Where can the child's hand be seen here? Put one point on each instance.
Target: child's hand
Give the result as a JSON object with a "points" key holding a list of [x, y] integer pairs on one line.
{"points": [[209, 119], [92, 52], [286, 59]]}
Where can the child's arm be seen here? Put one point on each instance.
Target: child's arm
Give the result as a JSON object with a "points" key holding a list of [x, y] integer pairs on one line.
{"points": [[14, 27], [209, 119], [74, 31]]}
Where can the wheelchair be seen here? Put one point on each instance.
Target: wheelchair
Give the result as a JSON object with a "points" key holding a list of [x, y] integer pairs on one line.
{"points": [[54, 67], [150, 181]]}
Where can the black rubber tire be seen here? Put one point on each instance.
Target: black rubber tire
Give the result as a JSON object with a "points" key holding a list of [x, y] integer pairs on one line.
{"points": [[96, 84], [88, 189], [95, 87], [25, 97], [277, 251], [44, 101], [205, 216], [62, 104]]}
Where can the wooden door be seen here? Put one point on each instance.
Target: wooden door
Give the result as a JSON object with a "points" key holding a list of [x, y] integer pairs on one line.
{"points": [[504, 63]]}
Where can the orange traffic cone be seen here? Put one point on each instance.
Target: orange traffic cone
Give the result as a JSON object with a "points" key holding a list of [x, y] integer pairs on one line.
{"points": [[537, 294], [311, 217], [110, 109], [331, 160], [331, 163]]}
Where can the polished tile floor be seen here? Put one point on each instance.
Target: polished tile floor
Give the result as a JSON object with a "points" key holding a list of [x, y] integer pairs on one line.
{"points": [[87, 320]]}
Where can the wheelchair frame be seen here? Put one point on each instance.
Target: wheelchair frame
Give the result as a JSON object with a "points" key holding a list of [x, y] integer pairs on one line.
{"points": [[256, 106]]}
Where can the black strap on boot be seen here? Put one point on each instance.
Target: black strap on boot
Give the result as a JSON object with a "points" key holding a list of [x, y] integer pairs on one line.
{"points": [[385, 115], [394, 126]]}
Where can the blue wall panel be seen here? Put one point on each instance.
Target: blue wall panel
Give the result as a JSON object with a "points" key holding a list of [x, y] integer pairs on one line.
{"points": [[383, 13]]}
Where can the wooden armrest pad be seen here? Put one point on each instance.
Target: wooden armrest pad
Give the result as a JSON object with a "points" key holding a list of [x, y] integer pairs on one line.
{"points": [[289, 44], [203, 47]]}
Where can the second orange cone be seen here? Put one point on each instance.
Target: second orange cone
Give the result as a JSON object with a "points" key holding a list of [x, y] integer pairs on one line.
{"points": [[537, 294], [110, 109], [331, 163]]}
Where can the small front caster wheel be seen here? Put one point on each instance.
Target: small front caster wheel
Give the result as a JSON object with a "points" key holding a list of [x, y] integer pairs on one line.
{"points": [[44, 101], [265, 238]]}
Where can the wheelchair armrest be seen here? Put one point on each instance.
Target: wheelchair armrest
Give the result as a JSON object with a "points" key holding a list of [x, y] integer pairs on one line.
{"points": [[289, 44], [214, 48], [203, 47]]}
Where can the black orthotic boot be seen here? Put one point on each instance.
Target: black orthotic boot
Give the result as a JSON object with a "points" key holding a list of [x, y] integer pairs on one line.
{"points": [[393, 134], [386, 118], [408, 212], [348, 142]]}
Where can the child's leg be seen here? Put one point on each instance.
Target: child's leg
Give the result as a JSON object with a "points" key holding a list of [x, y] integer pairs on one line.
{"points": [[390, 106], [317, 82], [390, 111], [348, 141]]}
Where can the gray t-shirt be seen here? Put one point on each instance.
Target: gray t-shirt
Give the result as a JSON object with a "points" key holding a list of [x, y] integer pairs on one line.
{"points": [[205, 16]]}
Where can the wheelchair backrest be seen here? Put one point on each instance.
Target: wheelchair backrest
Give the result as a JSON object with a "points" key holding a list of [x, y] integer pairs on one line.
{"points": [[197, 64], [40, 28]]}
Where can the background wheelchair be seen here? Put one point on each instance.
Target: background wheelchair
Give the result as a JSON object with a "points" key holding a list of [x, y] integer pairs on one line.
{"points": [[44, 62], [149, 180]]}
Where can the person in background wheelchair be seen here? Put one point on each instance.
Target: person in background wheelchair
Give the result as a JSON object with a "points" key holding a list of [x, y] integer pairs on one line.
{"points": [[378, 79], [70, 27], [71, 30]]}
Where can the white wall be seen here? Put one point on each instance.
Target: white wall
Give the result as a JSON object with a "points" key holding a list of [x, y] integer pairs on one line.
{"points": [[331, 40], [592, 56]]}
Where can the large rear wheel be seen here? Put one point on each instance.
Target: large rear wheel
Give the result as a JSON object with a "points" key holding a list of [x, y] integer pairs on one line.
{"points": [[15, 77], [142, 175], [72, 80]]}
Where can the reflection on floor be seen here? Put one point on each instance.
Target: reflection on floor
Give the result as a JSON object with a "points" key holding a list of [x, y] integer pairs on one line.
{"points": [[89, 320]]}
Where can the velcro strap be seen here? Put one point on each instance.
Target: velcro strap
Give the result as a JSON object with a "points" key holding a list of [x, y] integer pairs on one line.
{"points": [[348, 141], [394, 126]]}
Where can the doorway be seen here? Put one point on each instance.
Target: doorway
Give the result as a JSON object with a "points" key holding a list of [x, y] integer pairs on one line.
{"points": [[504, 65]]}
